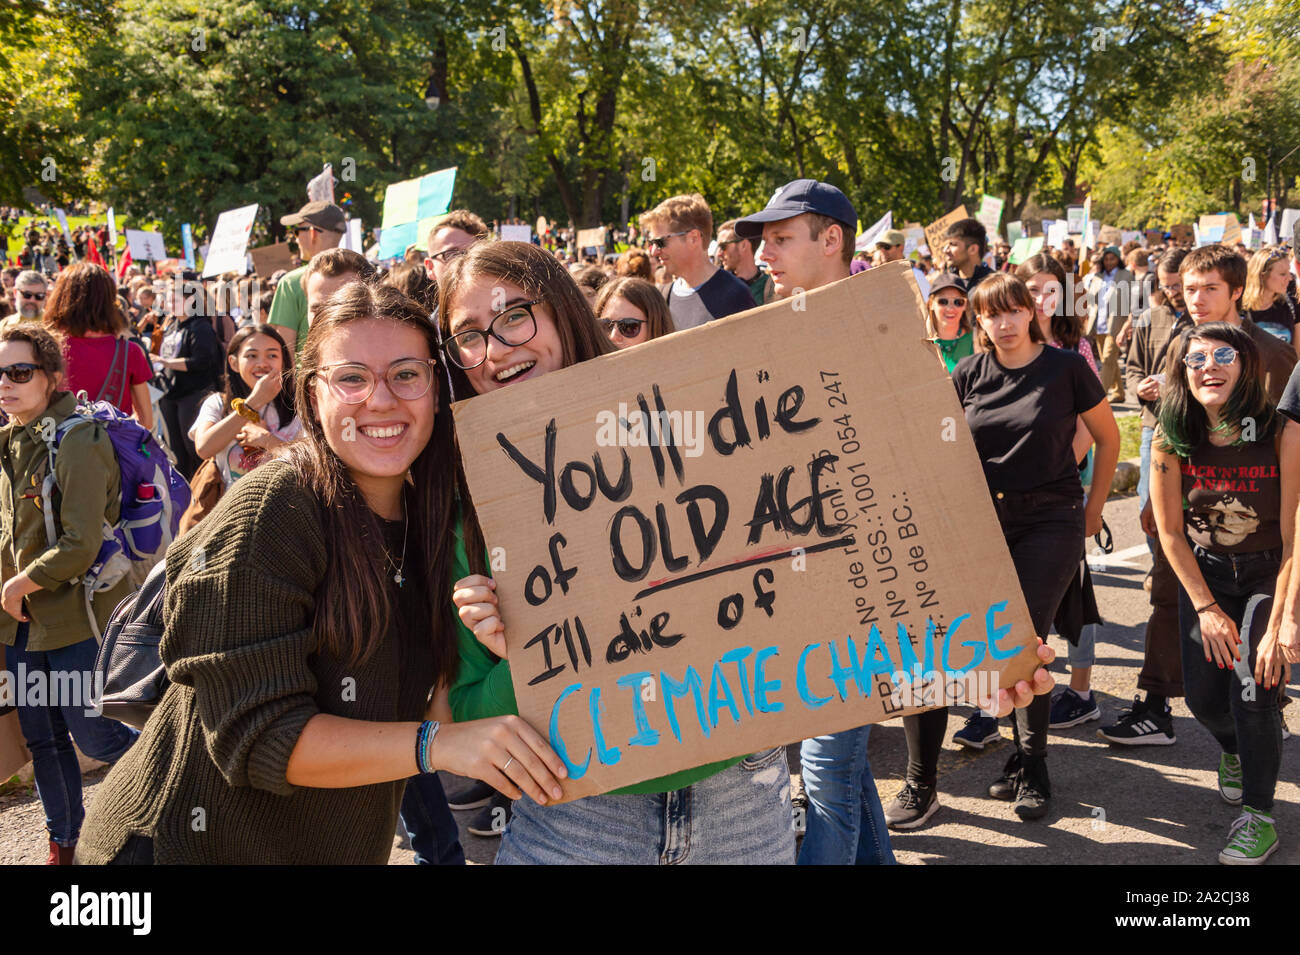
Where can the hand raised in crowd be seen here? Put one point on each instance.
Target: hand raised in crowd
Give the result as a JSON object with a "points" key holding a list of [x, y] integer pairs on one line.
{"points": [[264, 392], [476, 601], [503, 751]]}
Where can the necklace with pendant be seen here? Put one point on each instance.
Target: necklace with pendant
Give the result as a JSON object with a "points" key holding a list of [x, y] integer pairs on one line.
{"points": [[397, 566]]}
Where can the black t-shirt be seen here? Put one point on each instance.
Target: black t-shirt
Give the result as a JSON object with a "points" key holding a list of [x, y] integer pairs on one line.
{"points": [[1232, 497], [981, 272], [1023, 419]]}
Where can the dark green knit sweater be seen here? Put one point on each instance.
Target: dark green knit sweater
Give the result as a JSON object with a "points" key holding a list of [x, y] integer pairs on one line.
{"points": [[206, 780]]}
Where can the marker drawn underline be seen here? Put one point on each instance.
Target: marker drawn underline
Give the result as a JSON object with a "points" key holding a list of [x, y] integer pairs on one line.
{"points": [[739, 565]]}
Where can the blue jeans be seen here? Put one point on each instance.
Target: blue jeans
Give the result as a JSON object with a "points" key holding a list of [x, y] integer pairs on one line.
{"points": [[1084, 653], [740, 815], [46, 728], [428, 822], [1241, 714], [1144, 479], [846, 823]]}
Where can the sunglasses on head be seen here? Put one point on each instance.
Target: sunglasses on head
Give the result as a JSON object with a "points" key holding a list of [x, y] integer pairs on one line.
{"points": [[627, 327], [1223, 355], [19, 373]]}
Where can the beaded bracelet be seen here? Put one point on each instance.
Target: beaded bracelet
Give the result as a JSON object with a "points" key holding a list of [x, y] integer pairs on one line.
{"points": [[423, 743]]}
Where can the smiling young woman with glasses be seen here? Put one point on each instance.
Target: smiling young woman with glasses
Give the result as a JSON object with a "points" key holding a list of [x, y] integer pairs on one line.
{"points": [[302, 667], [1225, 484]]}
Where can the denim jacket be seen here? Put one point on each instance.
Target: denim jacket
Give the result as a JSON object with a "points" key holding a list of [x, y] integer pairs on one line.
{"points": [[89, 493]]}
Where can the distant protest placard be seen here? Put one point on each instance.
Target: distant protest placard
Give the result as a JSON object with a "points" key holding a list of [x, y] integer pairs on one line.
{"points": [[705, 547], [591, 239], [516, 233], [228, 248], [145, 246], [935, 230], [268, 259], [410, 208]]}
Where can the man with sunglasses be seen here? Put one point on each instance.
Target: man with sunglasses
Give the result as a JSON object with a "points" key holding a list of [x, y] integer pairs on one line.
{"points": [[677, 232], [30, 290], [318, 226]]}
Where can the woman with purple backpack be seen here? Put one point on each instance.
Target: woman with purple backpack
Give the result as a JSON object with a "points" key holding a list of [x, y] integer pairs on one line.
{"points": [[46, 628]]}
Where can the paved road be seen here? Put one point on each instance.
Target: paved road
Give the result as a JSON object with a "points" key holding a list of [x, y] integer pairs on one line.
{"points": [[1110, 804]]}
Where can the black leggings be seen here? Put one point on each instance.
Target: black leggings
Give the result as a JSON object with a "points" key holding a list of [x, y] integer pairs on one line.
{"points": [[924, 740]]}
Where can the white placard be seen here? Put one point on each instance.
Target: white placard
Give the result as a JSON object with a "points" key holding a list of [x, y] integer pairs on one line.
{"points": [[112, 229], [516, 233], [352, 236], [867, 241], [63, 224], [1058, 232], [1289, 218], [145, 246], [227, 251]]}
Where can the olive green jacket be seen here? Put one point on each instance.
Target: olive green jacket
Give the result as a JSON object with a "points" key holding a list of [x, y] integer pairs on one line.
{"points": [[89, 494]]}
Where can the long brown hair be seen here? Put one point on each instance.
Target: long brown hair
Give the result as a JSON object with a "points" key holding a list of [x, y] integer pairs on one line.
{"points": [[84, 299], [1065, 326], [643, 295], [354, 603], [236, 387], [541, 276]]}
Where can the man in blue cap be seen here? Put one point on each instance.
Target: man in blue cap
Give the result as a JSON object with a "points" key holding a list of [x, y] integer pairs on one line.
{"points": [[808, 230]]}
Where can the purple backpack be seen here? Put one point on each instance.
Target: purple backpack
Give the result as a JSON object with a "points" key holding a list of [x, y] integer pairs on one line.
{"points": [[154, 496]]}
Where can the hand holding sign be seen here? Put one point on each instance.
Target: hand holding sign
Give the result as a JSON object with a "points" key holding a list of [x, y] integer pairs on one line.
{"points": [[476, 603]]}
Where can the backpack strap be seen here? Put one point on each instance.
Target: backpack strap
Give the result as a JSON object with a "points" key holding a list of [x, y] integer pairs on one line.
{"points": [[116, 374], [53, 437]]}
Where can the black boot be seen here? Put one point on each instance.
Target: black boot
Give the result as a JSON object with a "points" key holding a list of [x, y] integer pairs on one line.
{"points": [[1005, 786], [1034, 789]]}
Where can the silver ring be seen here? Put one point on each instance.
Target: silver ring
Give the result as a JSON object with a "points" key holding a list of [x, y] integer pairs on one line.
{"points": [[507, 765]]}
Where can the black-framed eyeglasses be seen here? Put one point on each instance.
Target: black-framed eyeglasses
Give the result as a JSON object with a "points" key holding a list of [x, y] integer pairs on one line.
{"points": [[446, 255], [627, 327], [20, 372], [1224, 355], [515, 325], [660, 241], [353, 383]]}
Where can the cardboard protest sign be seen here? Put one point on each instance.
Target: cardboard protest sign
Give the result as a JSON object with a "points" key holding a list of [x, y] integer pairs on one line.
{"points": [[229, 243], [268, 259], [145, 246], [1223, 227], [1182, 233], [410, 210], [935, 230], [1109, 235], [1154, 237], [705, 547], [591, 238], [517, 233]]}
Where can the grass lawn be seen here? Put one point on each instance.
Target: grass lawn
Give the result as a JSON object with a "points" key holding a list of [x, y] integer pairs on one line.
{"points": [[1130, 436], [16, 232]]}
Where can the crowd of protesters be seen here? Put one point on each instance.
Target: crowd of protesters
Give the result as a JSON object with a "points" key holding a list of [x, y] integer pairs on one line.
{"points": [[307, 536]]}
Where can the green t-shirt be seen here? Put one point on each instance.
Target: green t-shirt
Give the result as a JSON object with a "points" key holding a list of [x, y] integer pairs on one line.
{"points": [[289, 307], [483, 689], [955, 349]]}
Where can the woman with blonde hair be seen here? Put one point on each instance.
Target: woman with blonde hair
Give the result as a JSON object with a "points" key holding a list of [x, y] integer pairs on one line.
{"points": [[1269, 299]]}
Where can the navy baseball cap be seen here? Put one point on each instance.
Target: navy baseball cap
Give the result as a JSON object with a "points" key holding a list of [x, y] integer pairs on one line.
{"points": [[796, 198]]}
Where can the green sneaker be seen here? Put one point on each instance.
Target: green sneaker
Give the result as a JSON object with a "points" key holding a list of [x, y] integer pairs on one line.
{"points": [[1251, 839], [1230, 779]]}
